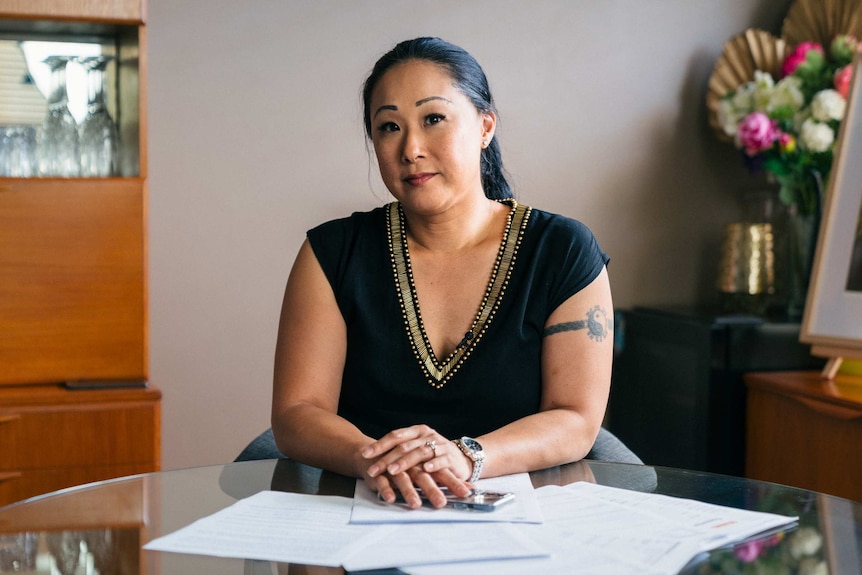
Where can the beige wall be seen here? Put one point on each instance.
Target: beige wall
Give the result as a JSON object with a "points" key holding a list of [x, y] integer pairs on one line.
{"points": [[255, 136]]}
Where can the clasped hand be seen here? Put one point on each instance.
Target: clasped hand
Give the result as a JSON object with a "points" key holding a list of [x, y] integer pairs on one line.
{"points": [[416, 457]]}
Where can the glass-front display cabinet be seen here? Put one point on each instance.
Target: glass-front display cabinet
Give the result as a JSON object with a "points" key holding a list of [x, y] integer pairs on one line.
{"points": [[75, 404], [72, 190]]}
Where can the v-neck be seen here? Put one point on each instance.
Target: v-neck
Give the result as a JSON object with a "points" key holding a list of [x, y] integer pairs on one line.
{"points": [[439, 372]]}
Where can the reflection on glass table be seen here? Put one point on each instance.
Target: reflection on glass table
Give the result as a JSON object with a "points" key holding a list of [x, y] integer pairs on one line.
{"points": [[135, 510], [98, 551]]}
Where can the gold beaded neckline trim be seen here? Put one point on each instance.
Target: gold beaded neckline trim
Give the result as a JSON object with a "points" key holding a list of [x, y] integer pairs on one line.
{"points": [[438, 373]]}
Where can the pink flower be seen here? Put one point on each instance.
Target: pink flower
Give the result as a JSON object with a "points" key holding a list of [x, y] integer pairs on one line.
{"points": [[842, 80], [757, 133], [748, 552], [800, 54]]}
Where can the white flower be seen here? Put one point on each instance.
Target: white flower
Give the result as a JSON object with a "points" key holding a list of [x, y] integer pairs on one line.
{"points": [[787, 94], [805, 542], [763, 88], [815, 136], [733, 108], [812, 566], [743, 99], [729, 117], [828, 105]]}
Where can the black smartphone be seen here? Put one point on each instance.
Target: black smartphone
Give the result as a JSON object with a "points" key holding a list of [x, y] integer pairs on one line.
{"points": [[477, 500]]}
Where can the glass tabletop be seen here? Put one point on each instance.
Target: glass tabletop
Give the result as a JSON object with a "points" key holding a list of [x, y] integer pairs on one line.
{"points": [[100, 528]]}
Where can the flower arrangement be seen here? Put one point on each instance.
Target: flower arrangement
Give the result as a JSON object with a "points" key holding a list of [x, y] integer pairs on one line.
{"points": [[797, 553], [781, 101], [788, 125]]}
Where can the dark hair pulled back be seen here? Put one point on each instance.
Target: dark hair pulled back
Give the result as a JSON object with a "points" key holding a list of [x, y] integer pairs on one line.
{"points": [[467, 76]]}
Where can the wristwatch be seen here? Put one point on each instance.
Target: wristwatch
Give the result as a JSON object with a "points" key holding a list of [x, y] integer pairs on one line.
{"points": [[472, 449]]}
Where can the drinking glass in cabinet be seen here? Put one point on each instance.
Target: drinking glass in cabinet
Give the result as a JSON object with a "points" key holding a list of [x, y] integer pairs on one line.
{"points": [[58, 141], [102, 546], [18, 552], [17, 151], [99, 140], [65, 549]]}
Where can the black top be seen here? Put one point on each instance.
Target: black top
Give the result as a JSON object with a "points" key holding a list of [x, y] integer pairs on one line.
{"points": [[499, 378]]}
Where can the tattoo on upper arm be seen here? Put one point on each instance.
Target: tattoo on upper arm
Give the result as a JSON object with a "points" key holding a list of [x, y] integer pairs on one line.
{"points": [[597, 324]]}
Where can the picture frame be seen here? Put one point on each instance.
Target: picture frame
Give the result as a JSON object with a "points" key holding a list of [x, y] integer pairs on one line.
{"points": [[832, 320]]}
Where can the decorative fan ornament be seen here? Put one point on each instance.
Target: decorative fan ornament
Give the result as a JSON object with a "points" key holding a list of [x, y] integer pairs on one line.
{"points": [[821, 20], [742, 55]]}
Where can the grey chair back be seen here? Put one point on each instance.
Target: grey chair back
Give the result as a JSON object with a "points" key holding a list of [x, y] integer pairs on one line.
{"points": [[608, 447]]}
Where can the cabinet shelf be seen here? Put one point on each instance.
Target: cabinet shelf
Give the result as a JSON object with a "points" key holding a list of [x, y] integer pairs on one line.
{"points": [[125, 78]]}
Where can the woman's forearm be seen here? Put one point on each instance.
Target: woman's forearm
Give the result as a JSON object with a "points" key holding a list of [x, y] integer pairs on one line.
{"points": [[317, 437], [538, 441]]}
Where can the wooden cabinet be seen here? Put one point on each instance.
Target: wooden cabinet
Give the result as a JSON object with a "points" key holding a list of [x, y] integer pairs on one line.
{"points": [[677, 397], [52, 437], [71, 280], [805, 431], [73, 298], [73, 250]]}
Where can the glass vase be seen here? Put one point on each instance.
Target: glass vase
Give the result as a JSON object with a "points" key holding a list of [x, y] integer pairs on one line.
{"points": [[801, 231], [801, 235]]}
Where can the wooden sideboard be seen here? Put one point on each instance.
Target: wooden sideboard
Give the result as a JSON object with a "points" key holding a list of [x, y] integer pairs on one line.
{"points": [[805, 431], [52, 437]]}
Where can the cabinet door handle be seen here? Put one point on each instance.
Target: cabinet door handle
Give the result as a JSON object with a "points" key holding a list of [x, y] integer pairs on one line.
{"points": [[833, 411], [9, 475], [9, 418]]}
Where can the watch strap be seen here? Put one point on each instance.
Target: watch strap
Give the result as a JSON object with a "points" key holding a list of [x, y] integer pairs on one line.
{"points": [[477, 457]]}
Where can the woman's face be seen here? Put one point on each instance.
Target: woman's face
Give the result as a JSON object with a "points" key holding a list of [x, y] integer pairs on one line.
{"points": [[428, 137]]}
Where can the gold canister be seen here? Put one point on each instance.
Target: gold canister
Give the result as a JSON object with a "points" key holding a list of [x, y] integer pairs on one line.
{"points": [[747, 278]]}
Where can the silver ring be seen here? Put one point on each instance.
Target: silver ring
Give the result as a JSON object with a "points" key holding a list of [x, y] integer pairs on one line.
{"points": [[432, 445]]}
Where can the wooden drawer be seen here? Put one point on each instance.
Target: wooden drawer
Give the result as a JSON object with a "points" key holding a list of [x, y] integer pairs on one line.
{"points": [[89, 435], [18, 485]]}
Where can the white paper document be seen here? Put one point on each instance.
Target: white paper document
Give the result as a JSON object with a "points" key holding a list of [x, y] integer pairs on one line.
{"points": [[587, 529], [368, 508], [439, 543], [597, 530], [274, 526], [316, 530]]}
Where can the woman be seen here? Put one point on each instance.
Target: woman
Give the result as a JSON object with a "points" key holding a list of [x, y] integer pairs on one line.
{"points": [[454, 333]]}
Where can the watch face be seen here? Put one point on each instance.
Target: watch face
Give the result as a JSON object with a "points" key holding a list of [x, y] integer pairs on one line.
{"points": [[471, 444]]}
